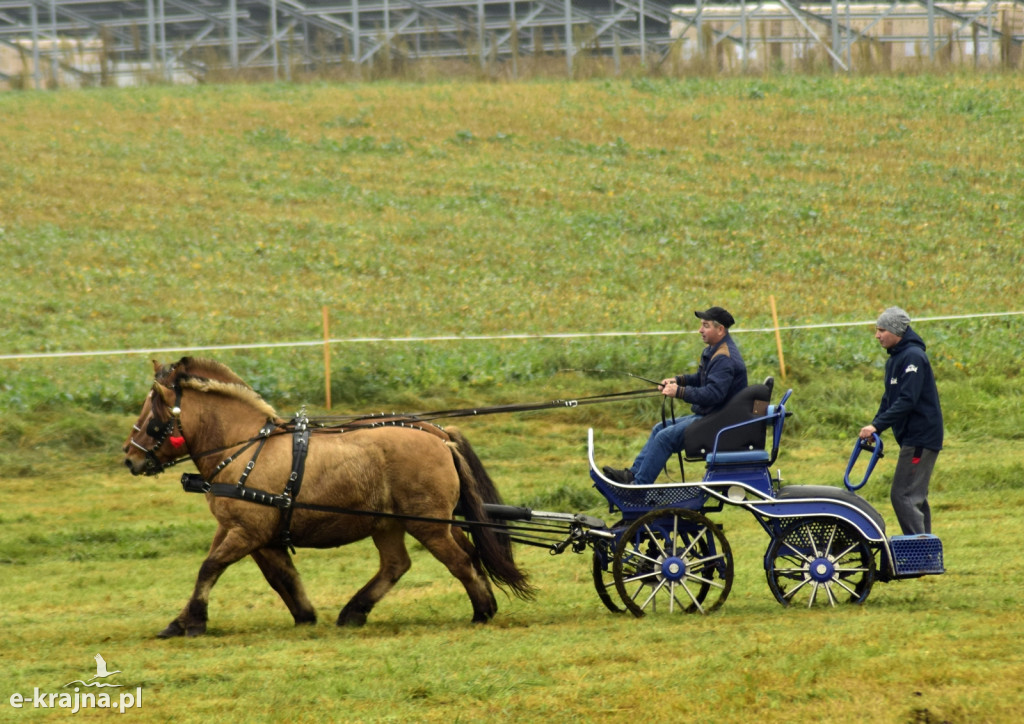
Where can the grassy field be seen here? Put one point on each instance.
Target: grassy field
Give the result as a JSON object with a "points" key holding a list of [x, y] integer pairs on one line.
{"points": [[170, 218], [97, 562]]}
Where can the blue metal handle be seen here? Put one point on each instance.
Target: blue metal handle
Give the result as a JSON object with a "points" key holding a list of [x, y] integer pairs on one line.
{"points": [[875, 446]]}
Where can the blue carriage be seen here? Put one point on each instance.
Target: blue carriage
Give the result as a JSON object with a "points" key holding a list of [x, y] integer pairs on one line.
{"points": [[826, 544]]}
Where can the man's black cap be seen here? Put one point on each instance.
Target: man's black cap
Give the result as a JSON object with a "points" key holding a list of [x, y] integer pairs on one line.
{"points": [[716, 314]]}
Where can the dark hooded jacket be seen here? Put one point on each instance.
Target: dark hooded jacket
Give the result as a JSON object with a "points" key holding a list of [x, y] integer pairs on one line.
{"points": [[722, 373], [910, 405]]}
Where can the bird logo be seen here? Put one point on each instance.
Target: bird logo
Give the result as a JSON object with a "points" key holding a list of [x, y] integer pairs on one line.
{"points": [[101, 673]]}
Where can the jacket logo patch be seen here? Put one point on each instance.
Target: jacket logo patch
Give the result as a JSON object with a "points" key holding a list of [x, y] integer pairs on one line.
{"points": [[910, 368]]}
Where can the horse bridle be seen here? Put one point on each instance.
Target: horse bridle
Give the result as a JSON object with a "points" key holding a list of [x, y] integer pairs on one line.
{"points": [[160, 431]]}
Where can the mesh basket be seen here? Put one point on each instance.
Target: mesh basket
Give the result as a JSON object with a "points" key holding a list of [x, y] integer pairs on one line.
{"points": [[915, 555], [636, 499]]}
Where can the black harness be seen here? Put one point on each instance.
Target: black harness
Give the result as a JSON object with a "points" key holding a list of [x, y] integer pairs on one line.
{"points": [[300, 446], [286, 500], [300, 430], [161, 430]]}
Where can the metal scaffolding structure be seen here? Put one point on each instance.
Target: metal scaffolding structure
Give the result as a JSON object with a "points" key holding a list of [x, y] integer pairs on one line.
{"points": [[851, 36], [47, 43]]}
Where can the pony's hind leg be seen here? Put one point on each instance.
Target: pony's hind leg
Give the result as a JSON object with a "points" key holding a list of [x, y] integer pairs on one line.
{"points": [[467, 545], [282, 576], [451, 546], [394, 562]]}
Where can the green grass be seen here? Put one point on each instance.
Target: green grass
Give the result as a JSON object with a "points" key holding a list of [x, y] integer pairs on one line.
{"points": [[96, 561], [230, 215]]}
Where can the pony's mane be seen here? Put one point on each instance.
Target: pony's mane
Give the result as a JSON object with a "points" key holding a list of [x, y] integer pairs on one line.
{"points": [[206, 375], [231, 389], [210, 369]]}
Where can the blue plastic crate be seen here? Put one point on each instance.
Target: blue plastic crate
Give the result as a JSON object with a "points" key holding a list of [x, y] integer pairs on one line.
{"points": [[916, 555]]}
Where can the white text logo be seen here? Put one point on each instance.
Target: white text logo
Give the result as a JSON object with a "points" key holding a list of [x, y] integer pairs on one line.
{"points": [[77, 700]]}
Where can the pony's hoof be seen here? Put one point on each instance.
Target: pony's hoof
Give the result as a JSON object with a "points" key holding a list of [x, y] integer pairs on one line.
{"points": [[173, 630], [483, 614], [197, 630], [352, 619]]}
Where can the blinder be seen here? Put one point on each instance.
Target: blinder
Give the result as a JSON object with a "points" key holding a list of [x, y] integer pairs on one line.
{"points": [[155, 427]]}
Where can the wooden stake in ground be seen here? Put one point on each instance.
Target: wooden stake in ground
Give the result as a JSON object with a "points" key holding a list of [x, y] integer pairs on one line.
{"points": [[778, 339], [327, 359]]}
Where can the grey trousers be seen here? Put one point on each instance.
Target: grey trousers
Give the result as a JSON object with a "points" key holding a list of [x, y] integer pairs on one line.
{"points": [[910, 489]]}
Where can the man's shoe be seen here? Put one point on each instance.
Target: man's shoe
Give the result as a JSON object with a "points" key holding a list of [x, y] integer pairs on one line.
{"points": [[623, 477]]}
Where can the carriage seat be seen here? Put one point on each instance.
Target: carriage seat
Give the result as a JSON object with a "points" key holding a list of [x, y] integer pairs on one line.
{"points": [[748, 411], [800, 492]]}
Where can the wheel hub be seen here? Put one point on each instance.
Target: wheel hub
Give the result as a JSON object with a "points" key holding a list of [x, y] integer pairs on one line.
{"points": [[822, 569], [673, 568]]}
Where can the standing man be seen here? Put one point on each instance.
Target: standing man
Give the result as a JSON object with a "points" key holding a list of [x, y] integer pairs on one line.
{"points": [[910, 406], [720, 375]]}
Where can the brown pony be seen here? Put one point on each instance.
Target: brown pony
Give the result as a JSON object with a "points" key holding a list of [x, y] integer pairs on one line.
{"points": [[410, 476]]}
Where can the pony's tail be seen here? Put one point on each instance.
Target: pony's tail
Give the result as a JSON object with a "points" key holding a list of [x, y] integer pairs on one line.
{"points": [[493, 545]]}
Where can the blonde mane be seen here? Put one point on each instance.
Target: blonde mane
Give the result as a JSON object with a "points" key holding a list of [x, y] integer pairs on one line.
{"points": [[207, 375], [203, 367], [240, 392]]}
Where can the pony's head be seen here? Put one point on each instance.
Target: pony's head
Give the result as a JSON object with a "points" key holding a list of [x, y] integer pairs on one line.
{"points": [[157, 440]]}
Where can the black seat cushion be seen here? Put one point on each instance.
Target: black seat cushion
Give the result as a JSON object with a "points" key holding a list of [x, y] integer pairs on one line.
{"points": [[749, 403]]}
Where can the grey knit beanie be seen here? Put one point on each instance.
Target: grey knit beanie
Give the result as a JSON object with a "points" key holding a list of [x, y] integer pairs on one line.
{"points": [[894, 320]]}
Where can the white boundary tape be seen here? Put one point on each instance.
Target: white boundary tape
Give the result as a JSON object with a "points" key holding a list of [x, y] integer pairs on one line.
{"points": [[463, 338]]}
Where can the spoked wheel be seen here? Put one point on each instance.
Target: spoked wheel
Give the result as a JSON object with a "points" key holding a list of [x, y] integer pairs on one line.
{"points": [[673, 559], [820, 562], [604, 579]]}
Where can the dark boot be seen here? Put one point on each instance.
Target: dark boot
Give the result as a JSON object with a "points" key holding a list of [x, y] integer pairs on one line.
{"points": [[623, 477]]}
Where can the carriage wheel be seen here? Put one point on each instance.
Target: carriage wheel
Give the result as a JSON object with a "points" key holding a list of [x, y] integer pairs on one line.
{"points": [[820, 561], [676, 558], [604, 579]]}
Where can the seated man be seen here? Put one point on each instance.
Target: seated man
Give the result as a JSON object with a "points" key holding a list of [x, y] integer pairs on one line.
{"points": [[720, 375]]}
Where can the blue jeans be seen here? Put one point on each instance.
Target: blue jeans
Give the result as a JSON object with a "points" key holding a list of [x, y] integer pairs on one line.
{"points": [[666, 438]]}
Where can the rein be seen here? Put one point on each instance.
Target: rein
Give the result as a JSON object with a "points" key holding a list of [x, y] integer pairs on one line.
{"points": [[477, 411], [301, 427]]}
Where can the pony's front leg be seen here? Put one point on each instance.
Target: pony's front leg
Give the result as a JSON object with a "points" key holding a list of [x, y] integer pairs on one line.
{"points": [[227, 548], [280, 573]]}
